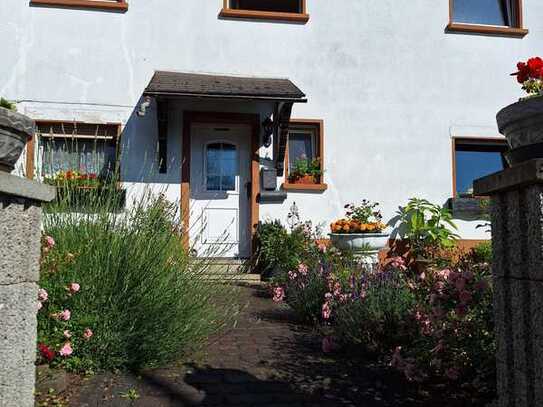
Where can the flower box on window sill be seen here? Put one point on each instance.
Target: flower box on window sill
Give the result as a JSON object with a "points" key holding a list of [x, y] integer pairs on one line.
{"points": [[90, 198], [317, 187]]}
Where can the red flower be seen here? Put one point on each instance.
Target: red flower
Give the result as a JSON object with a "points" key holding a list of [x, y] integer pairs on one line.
{"points": [[46, 352], [92, 176], [523, 73], [535, 66], [69, 174]]}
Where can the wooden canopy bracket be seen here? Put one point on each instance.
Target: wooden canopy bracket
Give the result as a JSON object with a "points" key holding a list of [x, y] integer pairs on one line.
{"points": [[281, 135]]}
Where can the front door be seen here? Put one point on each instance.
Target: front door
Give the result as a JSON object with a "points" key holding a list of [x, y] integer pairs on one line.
{"points": [[220, 190]]}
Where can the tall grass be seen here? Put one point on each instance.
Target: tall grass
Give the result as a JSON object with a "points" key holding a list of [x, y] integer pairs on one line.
{"points": [[145, 300]]}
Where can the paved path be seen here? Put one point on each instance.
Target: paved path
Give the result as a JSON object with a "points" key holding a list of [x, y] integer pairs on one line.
{"points": [[267, 360]]}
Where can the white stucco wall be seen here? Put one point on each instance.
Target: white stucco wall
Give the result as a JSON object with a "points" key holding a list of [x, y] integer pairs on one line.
{"points": [[391, 86]]}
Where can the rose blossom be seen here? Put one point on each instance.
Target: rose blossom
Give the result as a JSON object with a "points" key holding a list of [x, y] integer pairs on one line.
{"points": [[64, 315], [67, 334], [46, 352], [278, 294], [302, 268], [326, 311], [49, 241], [87, 333], [74, 288], [42, 295], [66, 350]]}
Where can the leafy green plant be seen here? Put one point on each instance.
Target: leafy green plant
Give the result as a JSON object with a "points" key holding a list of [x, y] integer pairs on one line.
{"points": [[276, 248], [426, 226], [6, 104], [304, 166], [365, 212], [483, 252], [139, 299]]}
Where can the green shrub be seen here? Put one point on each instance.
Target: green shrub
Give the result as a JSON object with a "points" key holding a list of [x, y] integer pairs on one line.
{"points": [[425, 226], [277, 250], [483, 252], [145, 301], [6, 104]]}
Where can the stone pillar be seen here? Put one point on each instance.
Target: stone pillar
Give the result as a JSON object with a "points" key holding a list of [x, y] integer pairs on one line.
{"points": [[20, 232], [517, 238]]}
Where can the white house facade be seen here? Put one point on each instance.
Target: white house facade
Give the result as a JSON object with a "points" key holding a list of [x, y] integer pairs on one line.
{"points": [[213, 101]]}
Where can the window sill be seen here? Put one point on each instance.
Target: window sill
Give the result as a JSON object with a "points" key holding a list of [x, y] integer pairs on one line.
{"points": [[90, 4], [487, 29], [264, 15], [304, 187]]}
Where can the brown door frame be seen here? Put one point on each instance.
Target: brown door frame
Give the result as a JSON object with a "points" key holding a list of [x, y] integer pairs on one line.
{"points": [[191, 117]]}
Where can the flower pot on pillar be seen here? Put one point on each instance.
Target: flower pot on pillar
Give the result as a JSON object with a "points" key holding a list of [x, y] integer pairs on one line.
{"points": [[15, 130], [522, 125]]}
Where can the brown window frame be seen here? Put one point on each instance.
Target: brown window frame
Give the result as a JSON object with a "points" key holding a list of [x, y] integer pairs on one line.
{"points": [[475, 141], [34, 141], [318, 126], [117, 5], [516, 30], [229, 12]]}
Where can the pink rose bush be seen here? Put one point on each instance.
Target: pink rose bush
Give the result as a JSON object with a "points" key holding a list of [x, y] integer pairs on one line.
{"points": [[431, 324], [61, 338]]}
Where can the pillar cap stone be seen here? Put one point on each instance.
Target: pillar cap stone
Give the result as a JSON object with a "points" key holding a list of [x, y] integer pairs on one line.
{"points": [[524, 174], [25, 188]]}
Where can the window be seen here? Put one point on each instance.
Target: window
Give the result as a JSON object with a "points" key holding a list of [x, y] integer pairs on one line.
{"points": [[306, 144], [487, 17], [475, 158], [286, 10], [83, 147], [221, 167], [111, 5]]}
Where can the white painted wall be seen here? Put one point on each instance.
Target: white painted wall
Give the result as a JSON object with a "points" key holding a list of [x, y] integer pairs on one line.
{"points": [[390, 84]]}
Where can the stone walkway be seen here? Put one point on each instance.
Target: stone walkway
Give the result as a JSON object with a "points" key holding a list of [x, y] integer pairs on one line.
{"points": [[267, 359]]}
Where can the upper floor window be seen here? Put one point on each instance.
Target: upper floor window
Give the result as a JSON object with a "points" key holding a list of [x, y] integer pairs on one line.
{"points": [[110, 5], [286, 10], [475, 158], [502, 17]]}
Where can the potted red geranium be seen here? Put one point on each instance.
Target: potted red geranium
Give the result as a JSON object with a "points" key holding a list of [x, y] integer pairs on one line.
{"points": [[522, 123]]}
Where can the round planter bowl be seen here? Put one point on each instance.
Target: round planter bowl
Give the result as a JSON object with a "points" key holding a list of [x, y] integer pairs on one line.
{"points": [[522, 125], [359, 241], [15, 130]]}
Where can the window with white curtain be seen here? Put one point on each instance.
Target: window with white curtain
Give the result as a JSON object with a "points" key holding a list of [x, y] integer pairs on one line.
{"points": [[86, 148]]}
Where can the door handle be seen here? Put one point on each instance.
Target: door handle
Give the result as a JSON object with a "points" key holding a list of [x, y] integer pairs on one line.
{"points": [[249, 187]]}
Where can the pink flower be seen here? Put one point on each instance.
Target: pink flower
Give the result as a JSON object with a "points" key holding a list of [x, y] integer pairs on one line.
{"points": [[67, 334], [42, 295], [328, 344], [460, 284], [278, 294], [49, 241], [66, 349], [452, 373], [398, 263], [302, 268], [465, 297], [328, 296], [74, 288], [326, 311], [444, 274], [292, 275], [64, 315], [39, 305], [322, 248], [337, 289], [87, 333]]}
